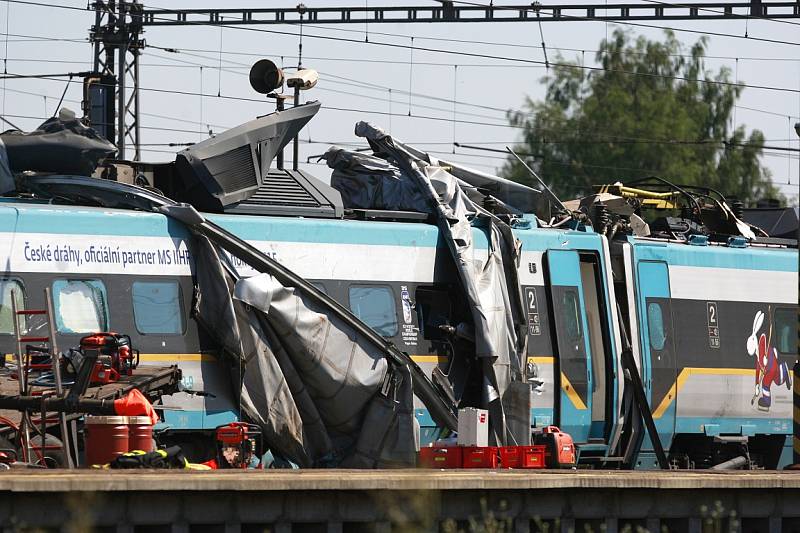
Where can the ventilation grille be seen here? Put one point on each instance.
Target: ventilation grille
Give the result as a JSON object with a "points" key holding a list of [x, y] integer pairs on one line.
{"points": [[233, 170], [280, 188]]}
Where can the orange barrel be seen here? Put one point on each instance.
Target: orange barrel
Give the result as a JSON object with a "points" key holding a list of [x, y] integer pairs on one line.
{"points": [[106, 438], [141, 433]]}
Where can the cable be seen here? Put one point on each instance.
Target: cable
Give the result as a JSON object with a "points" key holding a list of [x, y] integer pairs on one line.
{"points": [[384, 113], [48, 38], [365, 84], [440, 119], [469, 54], [627, 23], [487, 56], [154, 128], [420, 95], [734, 15], [152, 115], [523, 60], [358, 83], [462, 41], [203, 23]]}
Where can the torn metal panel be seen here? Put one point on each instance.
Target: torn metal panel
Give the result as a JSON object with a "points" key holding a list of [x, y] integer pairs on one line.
{"points": [[490, 285], [313, 375], [324, 396], [521, 198]]}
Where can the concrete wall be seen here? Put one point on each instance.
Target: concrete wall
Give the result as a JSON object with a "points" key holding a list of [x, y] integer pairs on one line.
{"points": [[343, 501]]}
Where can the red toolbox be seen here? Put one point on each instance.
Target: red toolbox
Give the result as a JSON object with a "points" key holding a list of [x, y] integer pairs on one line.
{"points": [[443, 457], [479, 457], [522, 456]]}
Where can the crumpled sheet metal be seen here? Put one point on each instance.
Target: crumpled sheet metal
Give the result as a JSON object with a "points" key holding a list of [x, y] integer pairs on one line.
{"points": [[490, 284], [312, 384]]}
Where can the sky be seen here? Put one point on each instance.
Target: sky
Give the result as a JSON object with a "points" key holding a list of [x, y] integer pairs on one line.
{"points": [[364, 80]]}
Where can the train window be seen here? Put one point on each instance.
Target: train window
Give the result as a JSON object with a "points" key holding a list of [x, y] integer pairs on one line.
{"points": [[655, 326], [376, 307], [572, 317], [785, 336], [157, 307], [81, 305], [6, 311]]}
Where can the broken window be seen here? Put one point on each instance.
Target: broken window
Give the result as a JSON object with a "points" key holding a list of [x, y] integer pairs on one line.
{"points": [[7, 286], [81, 306]]}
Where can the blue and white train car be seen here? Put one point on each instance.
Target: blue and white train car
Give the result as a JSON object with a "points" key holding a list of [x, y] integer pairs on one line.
{"points": [[716, 330], [711, 325]]}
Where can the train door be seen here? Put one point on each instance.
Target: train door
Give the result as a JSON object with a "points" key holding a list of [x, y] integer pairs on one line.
{"points": [[572, 342], [599, 336], [657, 347]]}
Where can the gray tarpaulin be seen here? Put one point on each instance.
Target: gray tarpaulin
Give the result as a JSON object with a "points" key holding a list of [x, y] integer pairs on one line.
{"points": [[60, 144], [323, 395], [369, 182], [490, 284]]}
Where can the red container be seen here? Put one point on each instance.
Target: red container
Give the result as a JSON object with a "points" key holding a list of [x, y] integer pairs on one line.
{"points": [[141, 433], [533, 456], [445, 457], [479, 457], [106, 438], [522, 456], [510, 456]]}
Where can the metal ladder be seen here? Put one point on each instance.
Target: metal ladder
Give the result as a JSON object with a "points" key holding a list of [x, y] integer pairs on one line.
{"points": [[24, 366]]}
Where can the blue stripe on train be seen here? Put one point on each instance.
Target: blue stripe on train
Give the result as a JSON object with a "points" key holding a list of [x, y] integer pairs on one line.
{"points": [[733, 426], [195, 419], [94, 221], [86, 221], [718, 256]]}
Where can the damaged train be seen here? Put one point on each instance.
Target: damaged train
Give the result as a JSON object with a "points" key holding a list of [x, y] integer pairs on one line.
{"points": [[647, 305]]}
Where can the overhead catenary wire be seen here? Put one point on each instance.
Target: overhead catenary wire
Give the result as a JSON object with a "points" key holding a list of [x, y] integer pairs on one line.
{"points": [[469, 54], [292, 23], [151, 115], [384, 113], [364, 84], [35, 3], [180, 49], [575, 66]]}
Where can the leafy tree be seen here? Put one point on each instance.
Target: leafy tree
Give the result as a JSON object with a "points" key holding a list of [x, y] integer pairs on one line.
{"points": [[609, 124]]}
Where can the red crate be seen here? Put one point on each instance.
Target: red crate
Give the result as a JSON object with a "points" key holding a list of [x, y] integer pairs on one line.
{"points": [[533, 456], [444, 457], [479, 457], [510, 456], [522, 456]]}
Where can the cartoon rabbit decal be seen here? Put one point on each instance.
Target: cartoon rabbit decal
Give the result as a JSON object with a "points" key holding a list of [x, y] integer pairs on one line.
{"points": [[769, 370]]}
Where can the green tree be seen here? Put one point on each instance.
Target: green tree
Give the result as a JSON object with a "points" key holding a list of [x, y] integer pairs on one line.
{"points": [[609, 124]]}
